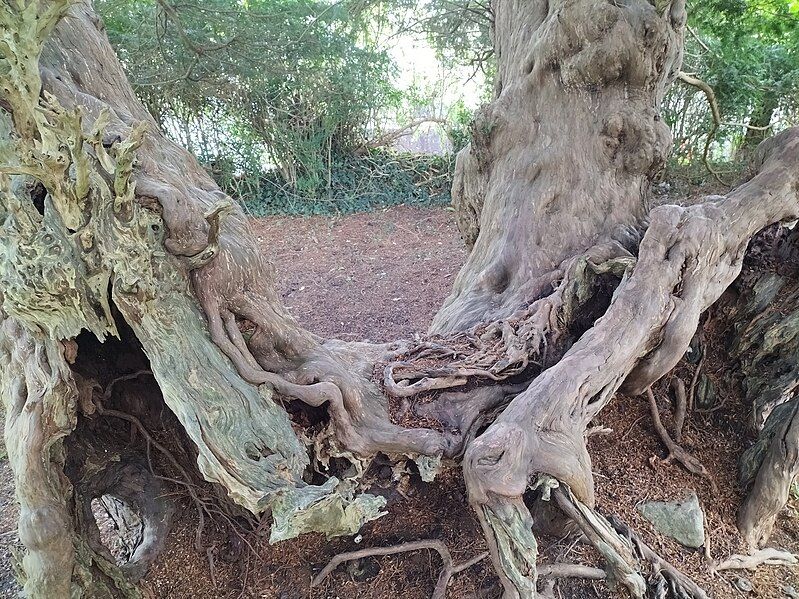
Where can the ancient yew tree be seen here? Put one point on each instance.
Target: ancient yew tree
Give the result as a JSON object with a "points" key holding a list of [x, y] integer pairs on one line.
{"points": [[129, 281]]}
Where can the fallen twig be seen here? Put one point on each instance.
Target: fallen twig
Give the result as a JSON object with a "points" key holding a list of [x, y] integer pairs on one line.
{"points": [[560, 570], [767, 555]]}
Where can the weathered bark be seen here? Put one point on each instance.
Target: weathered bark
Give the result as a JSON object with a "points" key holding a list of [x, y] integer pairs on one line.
{"points": [[766, 342], [39, 403], [184, 273], [687, 258], [562, 158], [211, 254]]}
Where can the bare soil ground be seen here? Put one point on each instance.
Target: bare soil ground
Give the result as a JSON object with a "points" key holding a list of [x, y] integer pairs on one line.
{"points": [[8, 525], [377, 275], [381, 276]]}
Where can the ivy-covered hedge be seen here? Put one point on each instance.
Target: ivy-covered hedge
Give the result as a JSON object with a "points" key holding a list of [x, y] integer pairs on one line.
{"points": [[352, 183]]}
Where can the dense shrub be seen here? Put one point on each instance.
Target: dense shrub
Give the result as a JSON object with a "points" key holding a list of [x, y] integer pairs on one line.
{"points": [[352, 183]]}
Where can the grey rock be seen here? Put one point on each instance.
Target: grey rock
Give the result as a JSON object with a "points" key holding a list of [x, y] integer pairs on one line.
{"points": [[680, 520], [743, 584], [705, 393]]}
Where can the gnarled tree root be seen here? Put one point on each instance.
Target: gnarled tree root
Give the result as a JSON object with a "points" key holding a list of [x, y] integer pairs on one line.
{"points": [[448, 571], [687, 258], [777, 470], [623, 549], [665, 576], [499, 350], [622, 567]]}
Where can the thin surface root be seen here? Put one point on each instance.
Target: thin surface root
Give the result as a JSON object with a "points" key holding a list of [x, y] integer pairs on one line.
{"points": [[449, 570], [666, 577], [767, 555], [676, 452]]}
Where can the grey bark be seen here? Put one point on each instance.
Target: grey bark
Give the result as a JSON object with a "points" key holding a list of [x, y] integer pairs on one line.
{"points": [[562, 158]]}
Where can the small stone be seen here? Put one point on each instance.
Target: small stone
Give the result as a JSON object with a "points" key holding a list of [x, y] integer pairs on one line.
{"points": [[790, 592], [743, 584], [681, 520], [705, 393]]}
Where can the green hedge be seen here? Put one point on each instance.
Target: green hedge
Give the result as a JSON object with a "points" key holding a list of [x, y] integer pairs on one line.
{"points": [[351, 184]]}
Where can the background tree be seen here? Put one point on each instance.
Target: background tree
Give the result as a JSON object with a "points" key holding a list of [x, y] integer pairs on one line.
{"points": [[748, 53]]}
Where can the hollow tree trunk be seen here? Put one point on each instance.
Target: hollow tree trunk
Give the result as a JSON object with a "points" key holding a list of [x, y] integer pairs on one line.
{"points": [[562, 158]]}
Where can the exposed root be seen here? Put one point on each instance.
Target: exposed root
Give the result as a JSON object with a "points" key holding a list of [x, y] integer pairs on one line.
{"points": [[680, 410], [694, 381], [186, 480], [666, 576], [676, 452], [767, 555], [469, 411], [449, 570], [502, 349], [777, 471], [617, 551], [507, 526]]}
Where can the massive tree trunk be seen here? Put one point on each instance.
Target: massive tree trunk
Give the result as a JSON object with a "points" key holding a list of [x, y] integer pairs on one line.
{"points": [[571, 290], [562, 158]]}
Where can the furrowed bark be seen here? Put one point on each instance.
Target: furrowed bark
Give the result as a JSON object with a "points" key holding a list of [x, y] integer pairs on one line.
{"points": [[766, 342], [563, 156], [122, 208], [95, 198], [40, 410]]}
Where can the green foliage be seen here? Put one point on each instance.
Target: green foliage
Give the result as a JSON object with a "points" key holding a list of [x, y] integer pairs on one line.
{"points": [[278, 98], [459, 126], [353, 183], [748, 52], [288, 81], [461, 30]]}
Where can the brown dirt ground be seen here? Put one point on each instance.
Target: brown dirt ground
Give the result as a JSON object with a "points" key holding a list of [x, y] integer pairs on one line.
{"points": [[378, 275], [381, 276], [8, 525]]}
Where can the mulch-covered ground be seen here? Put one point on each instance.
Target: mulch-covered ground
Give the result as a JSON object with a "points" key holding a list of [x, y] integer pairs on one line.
{"points": [[8, 526], [381, 276]]}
